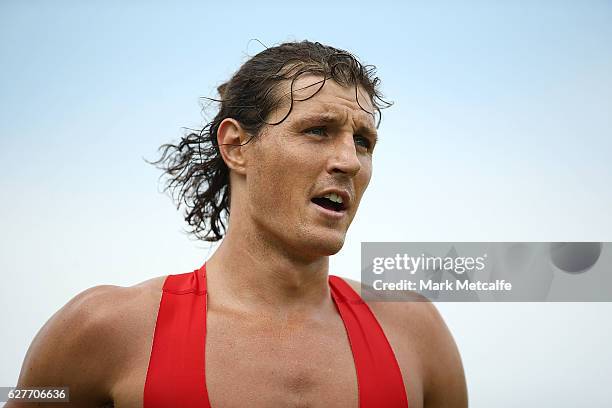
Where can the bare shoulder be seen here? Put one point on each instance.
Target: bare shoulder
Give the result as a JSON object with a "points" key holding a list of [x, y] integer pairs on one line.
{"points": [[415, 324], [414, 309], [84, 344], [415, 317]]}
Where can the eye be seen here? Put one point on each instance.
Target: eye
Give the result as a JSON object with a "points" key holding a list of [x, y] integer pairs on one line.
{"points": [[320, 131], [362, 141]]}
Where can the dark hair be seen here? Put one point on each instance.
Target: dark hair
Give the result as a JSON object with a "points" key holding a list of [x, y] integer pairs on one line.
{"points": [[195, 168]]}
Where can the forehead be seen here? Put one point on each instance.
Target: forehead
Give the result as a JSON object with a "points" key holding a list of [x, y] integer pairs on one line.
{"points": [[326, 99]]}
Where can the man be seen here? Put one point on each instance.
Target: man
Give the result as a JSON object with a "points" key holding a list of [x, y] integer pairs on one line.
{"points": [[262, 323]]}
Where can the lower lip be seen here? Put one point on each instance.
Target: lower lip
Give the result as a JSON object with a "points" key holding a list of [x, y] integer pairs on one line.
{"points": [[335, 215]]}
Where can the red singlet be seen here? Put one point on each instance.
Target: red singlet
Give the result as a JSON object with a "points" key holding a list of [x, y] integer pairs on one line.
{"points": [[176, 378]]}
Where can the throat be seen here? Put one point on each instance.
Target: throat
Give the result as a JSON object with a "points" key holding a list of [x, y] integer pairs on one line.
{"points": [[267, 290]]}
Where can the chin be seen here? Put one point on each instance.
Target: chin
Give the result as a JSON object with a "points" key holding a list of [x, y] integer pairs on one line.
{"points": [[326, 244], [315, 242]]}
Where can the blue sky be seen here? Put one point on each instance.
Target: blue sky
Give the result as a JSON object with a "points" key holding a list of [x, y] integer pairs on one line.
{"points": [[488, 98]]}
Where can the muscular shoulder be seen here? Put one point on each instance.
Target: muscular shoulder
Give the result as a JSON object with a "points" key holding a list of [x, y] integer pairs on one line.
{"points": [[414, 308], [84, 343], [416, 319], [416, 329]]}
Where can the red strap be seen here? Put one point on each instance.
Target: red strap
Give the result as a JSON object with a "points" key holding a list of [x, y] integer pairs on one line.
{"points": [[175, 377], [378, 374]]}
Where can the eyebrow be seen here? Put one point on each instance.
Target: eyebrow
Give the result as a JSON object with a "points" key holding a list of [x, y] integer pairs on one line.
{"points": [[332, 118]]}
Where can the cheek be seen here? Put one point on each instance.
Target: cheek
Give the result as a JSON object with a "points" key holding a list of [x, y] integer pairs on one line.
{"points": [[365, 173], [277, 180], [362, 179]]}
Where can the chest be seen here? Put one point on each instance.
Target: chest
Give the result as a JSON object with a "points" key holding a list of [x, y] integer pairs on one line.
{"points": [[293, 364]]}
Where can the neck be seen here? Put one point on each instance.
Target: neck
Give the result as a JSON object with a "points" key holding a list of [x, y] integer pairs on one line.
{"points": [[249, 274]]}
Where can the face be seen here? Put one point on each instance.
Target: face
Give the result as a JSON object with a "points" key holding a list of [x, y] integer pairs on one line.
{"points": [[306, 175]]}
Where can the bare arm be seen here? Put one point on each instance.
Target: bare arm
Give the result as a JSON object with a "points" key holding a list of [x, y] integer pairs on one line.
{"points": [[445, 384], [71, 350]]}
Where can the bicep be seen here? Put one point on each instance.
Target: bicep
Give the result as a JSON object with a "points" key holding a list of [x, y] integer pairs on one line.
{"points": [[446, 383]]}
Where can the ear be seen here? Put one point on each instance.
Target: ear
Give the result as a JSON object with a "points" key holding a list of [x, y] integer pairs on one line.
{"points": [[230, 136]]}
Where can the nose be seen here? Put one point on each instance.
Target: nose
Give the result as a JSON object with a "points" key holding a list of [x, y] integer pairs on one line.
{"points": [[344, 158]]}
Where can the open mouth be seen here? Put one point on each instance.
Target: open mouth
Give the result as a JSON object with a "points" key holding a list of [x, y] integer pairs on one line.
{"points": [[331, 202]]}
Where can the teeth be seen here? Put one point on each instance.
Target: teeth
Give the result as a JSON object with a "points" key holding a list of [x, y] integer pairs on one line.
{"points": [[334, 197]]}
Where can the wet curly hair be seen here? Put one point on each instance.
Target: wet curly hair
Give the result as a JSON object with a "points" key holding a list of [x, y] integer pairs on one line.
{"points": [[196, 174]]}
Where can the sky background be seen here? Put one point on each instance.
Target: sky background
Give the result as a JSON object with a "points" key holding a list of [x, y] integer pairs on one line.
{"points": [[501, 131]]}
